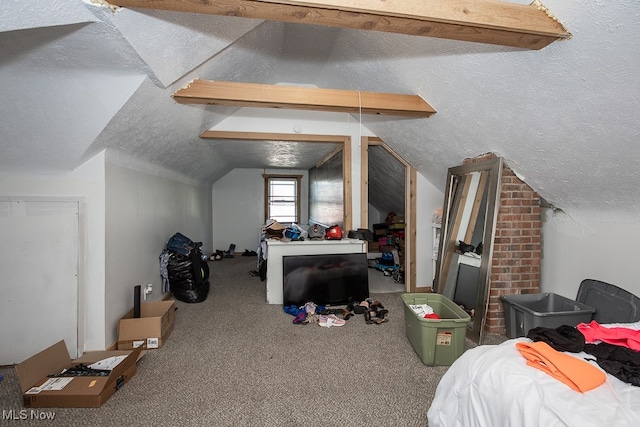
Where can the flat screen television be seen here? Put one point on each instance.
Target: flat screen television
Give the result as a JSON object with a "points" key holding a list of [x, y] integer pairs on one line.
{"points": [[327, 279], [466, 292]]}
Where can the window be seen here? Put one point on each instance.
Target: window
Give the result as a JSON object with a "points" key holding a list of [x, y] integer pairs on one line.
{"points": [[282, 198]]}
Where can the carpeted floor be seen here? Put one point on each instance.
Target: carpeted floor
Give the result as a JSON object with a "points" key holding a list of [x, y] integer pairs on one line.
{"points": [[381, 284], [234, 360]]}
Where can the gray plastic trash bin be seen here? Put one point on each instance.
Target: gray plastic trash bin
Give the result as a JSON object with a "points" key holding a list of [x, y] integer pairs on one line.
{"points": [[612, 304], [528, 311]]}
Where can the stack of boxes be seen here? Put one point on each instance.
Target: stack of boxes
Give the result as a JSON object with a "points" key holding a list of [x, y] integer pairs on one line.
{"points": [[390, 237], [396, 233], [50, 379], [380, 236]]}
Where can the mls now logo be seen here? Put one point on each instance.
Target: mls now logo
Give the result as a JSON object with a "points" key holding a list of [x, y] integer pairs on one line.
{"points": [[23, 414]]}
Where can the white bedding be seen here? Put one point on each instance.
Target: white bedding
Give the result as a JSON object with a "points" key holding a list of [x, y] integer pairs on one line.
{"points": [[491, 385]]}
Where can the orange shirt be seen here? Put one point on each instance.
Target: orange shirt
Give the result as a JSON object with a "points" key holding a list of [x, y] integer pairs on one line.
{"points": [[576, 373]]}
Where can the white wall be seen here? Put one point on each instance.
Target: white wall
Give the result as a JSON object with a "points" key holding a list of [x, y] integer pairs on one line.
{"points": [[374, 216], [428, 199], [238, 207], [143, 211], [128, 218], [573, 251], [86, 183]]}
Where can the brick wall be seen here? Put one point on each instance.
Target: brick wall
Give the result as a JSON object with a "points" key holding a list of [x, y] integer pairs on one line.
{"points": [[517, 244]]}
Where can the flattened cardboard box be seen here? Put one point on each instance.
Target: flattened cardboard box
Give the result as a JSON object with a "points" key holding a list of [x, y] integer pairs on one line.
{"points": [[72, 392], [151, 329]]}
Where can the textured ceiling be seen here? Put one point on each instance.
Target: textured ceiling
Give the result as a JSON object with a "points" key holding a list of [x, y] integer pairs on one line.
{"points": [[77, 78]]}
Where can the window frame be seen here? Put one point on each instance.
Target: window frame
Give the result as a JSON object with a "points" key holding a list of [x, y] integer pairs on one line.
{"points": [[267, 194]]}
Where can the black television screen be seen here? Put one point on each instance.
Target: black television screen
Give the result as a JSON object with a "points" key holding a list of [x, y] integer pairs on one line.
{"points": [[332, 279], [466, 292]]}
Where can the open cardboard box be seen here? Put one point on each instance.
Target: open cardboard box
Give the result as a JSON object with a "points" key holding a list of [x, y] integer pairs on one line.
{"points": [[40, 390], [151, 329]]}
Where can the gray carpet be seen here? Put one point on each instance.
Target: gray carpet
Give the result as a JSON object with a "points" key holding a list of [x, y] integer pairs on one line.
{"points": [[381, 284], [234, 360]]}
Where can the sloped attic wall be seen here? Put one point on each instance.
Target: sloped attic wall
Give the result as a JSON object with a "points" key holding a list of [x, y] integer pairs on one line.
{"points": [[60, 102], [386, 183], [151, 125], [546, 112], [562, 116]]}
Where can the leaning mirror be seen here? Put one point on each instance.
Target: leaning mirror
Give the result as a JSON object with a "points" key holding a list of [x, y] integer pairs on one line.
{"points": [[466, 244]]}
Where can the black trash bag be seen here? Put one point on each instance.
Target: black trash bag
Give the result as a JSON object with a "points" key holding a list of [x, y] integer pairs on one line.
{"points": [[188, 276]]}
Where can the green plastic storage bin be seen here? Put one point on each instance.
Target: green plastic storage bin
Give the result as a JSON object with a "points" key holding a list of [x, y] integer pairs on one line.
{"points": [[438, 342]]}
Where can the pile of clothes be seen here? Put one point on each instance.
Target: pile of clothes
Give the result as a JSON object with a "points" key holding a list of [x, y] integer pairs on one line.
{"points": [[373, 311], [616, 349]]}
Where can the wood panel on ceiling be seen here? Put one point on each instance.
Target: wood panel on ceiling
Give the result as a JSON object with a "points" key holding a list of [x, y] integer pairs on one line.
{"points": [[301, 98], [483, 21], [271, 136]]}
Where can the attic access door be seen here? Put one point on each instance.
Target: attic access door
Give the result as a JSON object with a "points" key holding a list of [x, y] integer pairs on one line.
{"points": [[39, 280]]}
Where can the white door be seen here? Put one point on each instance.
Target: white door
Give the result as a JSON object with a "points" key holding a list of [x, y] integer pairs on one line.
{"points": [[38, 277]]}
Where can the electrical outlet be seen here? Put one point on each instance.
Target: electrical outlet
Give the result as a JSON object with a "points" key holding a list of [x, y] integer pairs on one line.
{"points": [[148, 290]]}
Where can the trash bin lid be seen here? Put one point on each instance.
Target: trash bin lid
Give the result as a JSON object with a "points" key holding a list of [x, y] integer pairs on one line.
{"points": [[612, 304]]}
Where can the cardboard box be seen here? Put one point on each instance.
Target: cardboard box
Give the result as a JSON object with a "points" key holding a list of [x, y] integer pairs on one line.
{"points": [[39, 390], [380, 229], [151, 329]]}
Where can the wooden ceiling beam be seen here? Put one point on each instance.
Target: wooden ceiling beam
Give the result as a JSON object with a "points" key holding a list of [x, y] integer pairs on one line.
{"points": [[483, 21], [301, 98], [271, 136]]}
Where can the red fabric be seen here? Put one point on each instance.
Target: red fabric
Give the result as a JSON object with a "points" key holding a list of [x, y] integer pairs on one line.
{"points": [[624, 337], [432, 316]]}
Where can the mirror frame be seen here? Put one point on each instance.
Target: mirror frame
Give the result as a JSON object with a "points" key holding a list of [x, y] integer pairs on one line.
{"points": [[475, 329]]}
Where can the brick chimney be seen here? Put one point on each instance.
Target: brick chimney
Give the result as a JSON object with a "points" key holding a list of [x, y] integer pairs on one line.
{"points": [[517, 245]]}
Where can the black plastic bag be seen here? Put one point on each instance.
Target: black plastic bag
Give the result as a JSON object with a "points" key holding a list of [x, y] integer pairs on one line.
{"points": [[188, 276]]}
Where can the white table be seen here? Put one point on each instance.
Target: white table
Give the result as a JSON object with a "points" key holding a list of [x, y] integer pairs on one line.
{"points": [[276, 249]]}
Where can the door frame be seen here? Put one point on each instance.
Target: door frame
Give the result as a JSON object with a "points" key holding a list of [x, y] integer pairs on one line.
{"points": [[80, 262], [344, 140], [410, 177]]}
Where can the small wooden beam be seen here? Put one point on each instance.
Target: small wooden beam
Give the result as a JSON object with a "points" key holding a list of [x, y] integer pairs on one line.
{"points": [[483, 21], [271, 136], [301, 98]]}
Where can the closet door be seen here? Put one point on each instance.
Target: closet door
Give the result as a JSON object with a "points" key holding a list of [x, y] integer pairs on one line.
{"points": [[39, 277]]}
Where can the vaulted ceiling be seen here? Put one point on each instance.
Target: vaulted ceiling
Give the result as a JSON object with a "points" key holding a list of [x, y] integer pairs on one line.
{"points": [[81, 76]]}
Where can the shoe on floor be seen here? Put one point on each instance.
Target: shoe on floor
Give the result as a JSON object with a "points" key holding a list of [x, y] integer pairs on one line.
{"points": [[330, 320]]}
